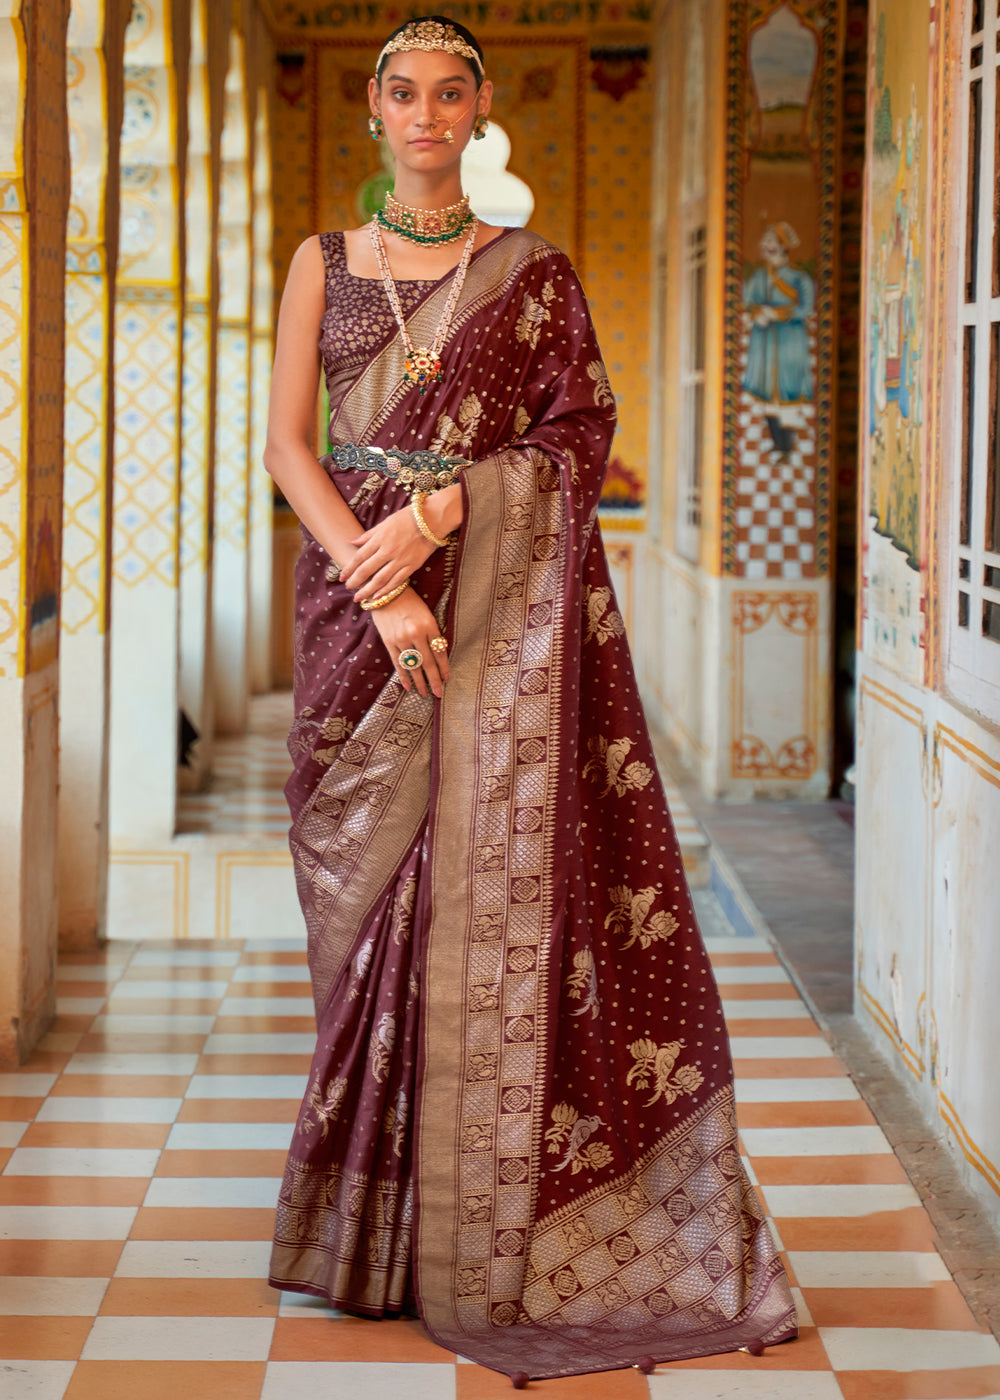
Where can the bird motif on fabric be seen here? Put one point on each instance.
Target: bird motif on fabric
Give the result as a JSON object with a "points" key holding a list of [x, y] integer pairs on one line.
{"points": [[602, 624], [569, 1129], [380, 1045], [362, 963], [630, 912], [608, 761], [654, 1066], [533, 316]]}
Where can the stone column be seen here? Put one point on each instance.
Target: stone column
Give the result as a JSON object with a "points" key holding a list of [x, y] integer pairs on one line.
{"points": [[94, 98], [33, 202], [148, 368]]}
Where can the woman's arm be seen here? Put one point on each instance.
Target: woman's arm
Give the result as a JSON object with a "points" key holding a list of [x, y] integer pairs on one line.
{"points": [[289, 453]]}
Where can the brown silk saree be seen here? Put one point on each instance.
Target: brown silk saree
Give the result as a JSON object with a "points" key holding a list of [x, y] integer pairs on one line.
{"points": [[520, 1115]]}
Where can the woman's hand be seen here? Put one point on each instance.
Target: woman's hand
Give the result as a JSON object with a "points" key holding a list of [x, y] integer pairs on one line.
{"points": [[408, 623], [386, 554]]}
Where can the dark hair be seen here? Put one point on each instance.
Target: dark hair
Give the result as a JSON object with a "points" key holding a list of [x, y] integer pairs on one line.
{"points": [[459, 29]]}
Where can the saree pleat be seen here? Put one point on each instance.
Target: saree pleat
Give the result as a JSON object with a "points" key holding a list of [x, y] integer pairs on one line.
{"points": [[522, 1057]]}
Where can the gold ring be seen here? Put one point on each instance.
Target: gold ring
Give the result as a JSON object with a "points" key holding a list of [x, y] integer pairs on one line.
{"points": [[439, 644], [410, 659]]}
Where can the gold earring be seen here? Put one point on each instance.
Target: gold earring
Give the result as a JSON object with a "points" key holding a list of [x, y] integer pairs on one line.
{"points": [[480, 128], [376, 128]]}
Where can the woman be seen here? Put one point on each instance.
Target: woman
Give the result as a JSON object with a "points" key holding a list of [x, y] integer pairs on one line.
{"points": [[520, 1113]]}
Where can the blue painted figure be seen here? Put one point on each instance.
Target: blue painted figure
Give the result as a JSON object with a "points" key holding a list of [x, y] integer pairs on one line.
{"points": [[779, 298]]}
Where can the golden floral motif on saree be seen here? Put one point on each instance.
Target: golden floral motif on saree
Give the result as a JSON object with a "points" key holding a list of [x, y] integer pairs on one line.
{"points": [[380, 1045], [603, 621], [654, 1065], [631, 913], [582, 983], [522, 420], [323, 1106], [607, 761], [603, 397], [454, 439], [533, 316], [571, 1132]]}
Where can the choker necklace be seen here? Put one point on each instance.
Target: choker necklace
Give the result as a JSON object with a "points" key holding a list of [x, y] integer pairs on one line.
{"points": [[426, 225], [423, 366]]}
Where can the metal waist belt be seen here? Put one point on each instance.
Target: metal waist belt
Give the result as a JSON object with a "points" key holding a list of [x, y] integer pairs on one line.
{"points": [[415, 471]]}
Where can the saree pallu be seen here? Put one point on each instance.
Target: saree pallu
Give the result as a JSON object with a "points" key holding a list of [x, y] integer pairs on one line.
{"points": [[520, 1114]]}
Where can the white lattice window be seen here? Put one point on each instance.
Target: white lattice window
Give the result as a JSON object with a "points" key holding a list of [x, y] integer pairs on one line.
{"points": [[690, 460], [973, 592]]}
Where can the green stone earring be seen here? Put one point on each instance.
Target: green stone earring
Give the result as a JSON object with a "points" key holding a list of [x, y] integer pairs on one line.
{"points": [[480, 128], [376, 128]]}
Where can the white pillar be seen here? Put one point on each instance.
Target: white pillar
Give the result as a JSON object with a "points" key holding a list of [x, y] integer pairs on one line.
{"points": [[261, 355], [148, 359]]}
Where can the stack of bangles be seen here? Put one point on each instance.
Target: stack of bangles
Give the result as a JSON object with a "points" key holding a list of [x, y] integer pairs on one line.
{"points": [[417, 507]]}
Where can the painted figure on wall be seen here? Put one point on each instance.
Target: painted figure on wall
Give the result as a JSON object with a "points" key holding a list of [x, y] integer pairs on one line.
{"points": [[779, 299], [895, 368]]}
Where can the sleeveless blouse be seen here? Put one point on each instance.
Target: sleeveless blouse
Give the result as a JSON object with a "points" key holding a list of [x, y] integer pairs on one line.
{"points": [[358, 318]]}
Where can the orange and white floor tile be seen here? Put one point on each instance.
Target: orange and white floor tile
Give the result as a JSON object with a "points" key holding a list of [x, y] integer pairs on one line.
{"points": [[142, 1145]]}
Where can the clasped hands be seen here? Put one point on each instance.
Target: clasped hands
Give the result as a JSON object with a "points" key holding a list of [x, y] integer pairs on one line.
{"points": [[384, 557]]}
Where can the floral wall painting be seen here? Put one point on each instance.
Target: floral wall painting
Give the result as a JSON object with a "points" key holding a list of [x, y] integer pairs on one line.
{"points": [[894, 360]]}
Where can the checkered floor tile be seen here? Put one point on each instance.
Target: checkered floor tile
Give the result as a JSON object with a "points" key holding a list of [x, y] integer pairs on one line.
{"points": [[141, 1150]]}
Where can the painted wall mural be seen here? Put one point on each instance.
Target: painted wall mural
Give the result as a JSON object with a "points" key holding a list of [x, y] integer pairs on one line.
{"points": [[894, 350], [779, 336], [579, 118]]}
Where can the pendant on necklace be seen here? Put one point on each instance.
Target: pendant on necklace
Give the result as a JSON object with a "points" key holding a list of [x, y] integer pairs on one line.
{"points": [[422, 368]]}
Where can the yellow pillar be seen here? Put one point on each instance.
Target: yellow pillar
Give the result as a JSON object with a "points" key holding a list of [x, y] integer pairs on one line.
{"points": [[33, 202], [94, 82]]}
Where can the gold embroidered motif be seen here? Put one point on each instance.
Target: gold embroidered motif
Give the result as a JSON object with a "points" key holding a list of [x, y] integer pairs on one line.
{"points": [[362, 963], [522, 420], [383, 1037], [403, 921], [583, 983], [610, 758], [602, 386], [452, 439], [569, 1128], [629, 913], [335, 730], [656, 1062], [533, 316], [394, 1122], [602, 625], [323, 1109]]}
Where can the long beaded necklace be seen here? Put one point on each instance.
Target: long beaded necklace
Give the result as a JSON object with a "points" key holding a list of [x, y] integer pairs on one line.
{"points": [[423, 365], [428, 226]]}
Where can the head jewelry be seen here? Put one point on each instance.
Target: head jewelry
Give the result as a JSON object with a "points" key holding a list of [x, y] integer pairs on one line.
{"points": [[430, 36]]}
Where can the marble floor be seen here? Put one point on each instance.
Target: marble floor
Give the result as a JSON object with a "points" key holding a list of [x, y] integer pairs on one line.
{"points": [[140, 1151]]}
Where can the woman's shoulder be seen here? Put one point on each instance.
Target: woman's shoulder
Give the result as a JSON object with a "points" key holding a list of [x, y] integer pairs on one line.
{"points": [[531, 250]]}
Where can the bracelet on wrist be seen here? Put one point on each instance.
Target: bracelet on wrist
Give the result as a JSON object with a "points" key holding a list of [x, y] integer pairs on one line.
{"points": [[417, 507], [370, 604]]}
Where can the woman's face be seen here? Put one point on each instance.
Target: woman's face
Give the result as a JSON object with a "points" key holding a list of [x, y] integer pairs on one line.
{"points": [[423, 96]]}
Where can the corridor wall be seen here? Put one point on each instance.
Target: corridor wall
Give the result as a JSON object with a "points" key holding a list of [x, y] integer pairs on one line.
{"points": [[928, 886]]}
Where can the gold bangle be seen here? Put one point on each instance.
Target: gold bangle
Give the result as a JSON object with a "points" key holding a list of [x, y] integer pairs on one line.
{"points": [[417, 506], [370, 604]]}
